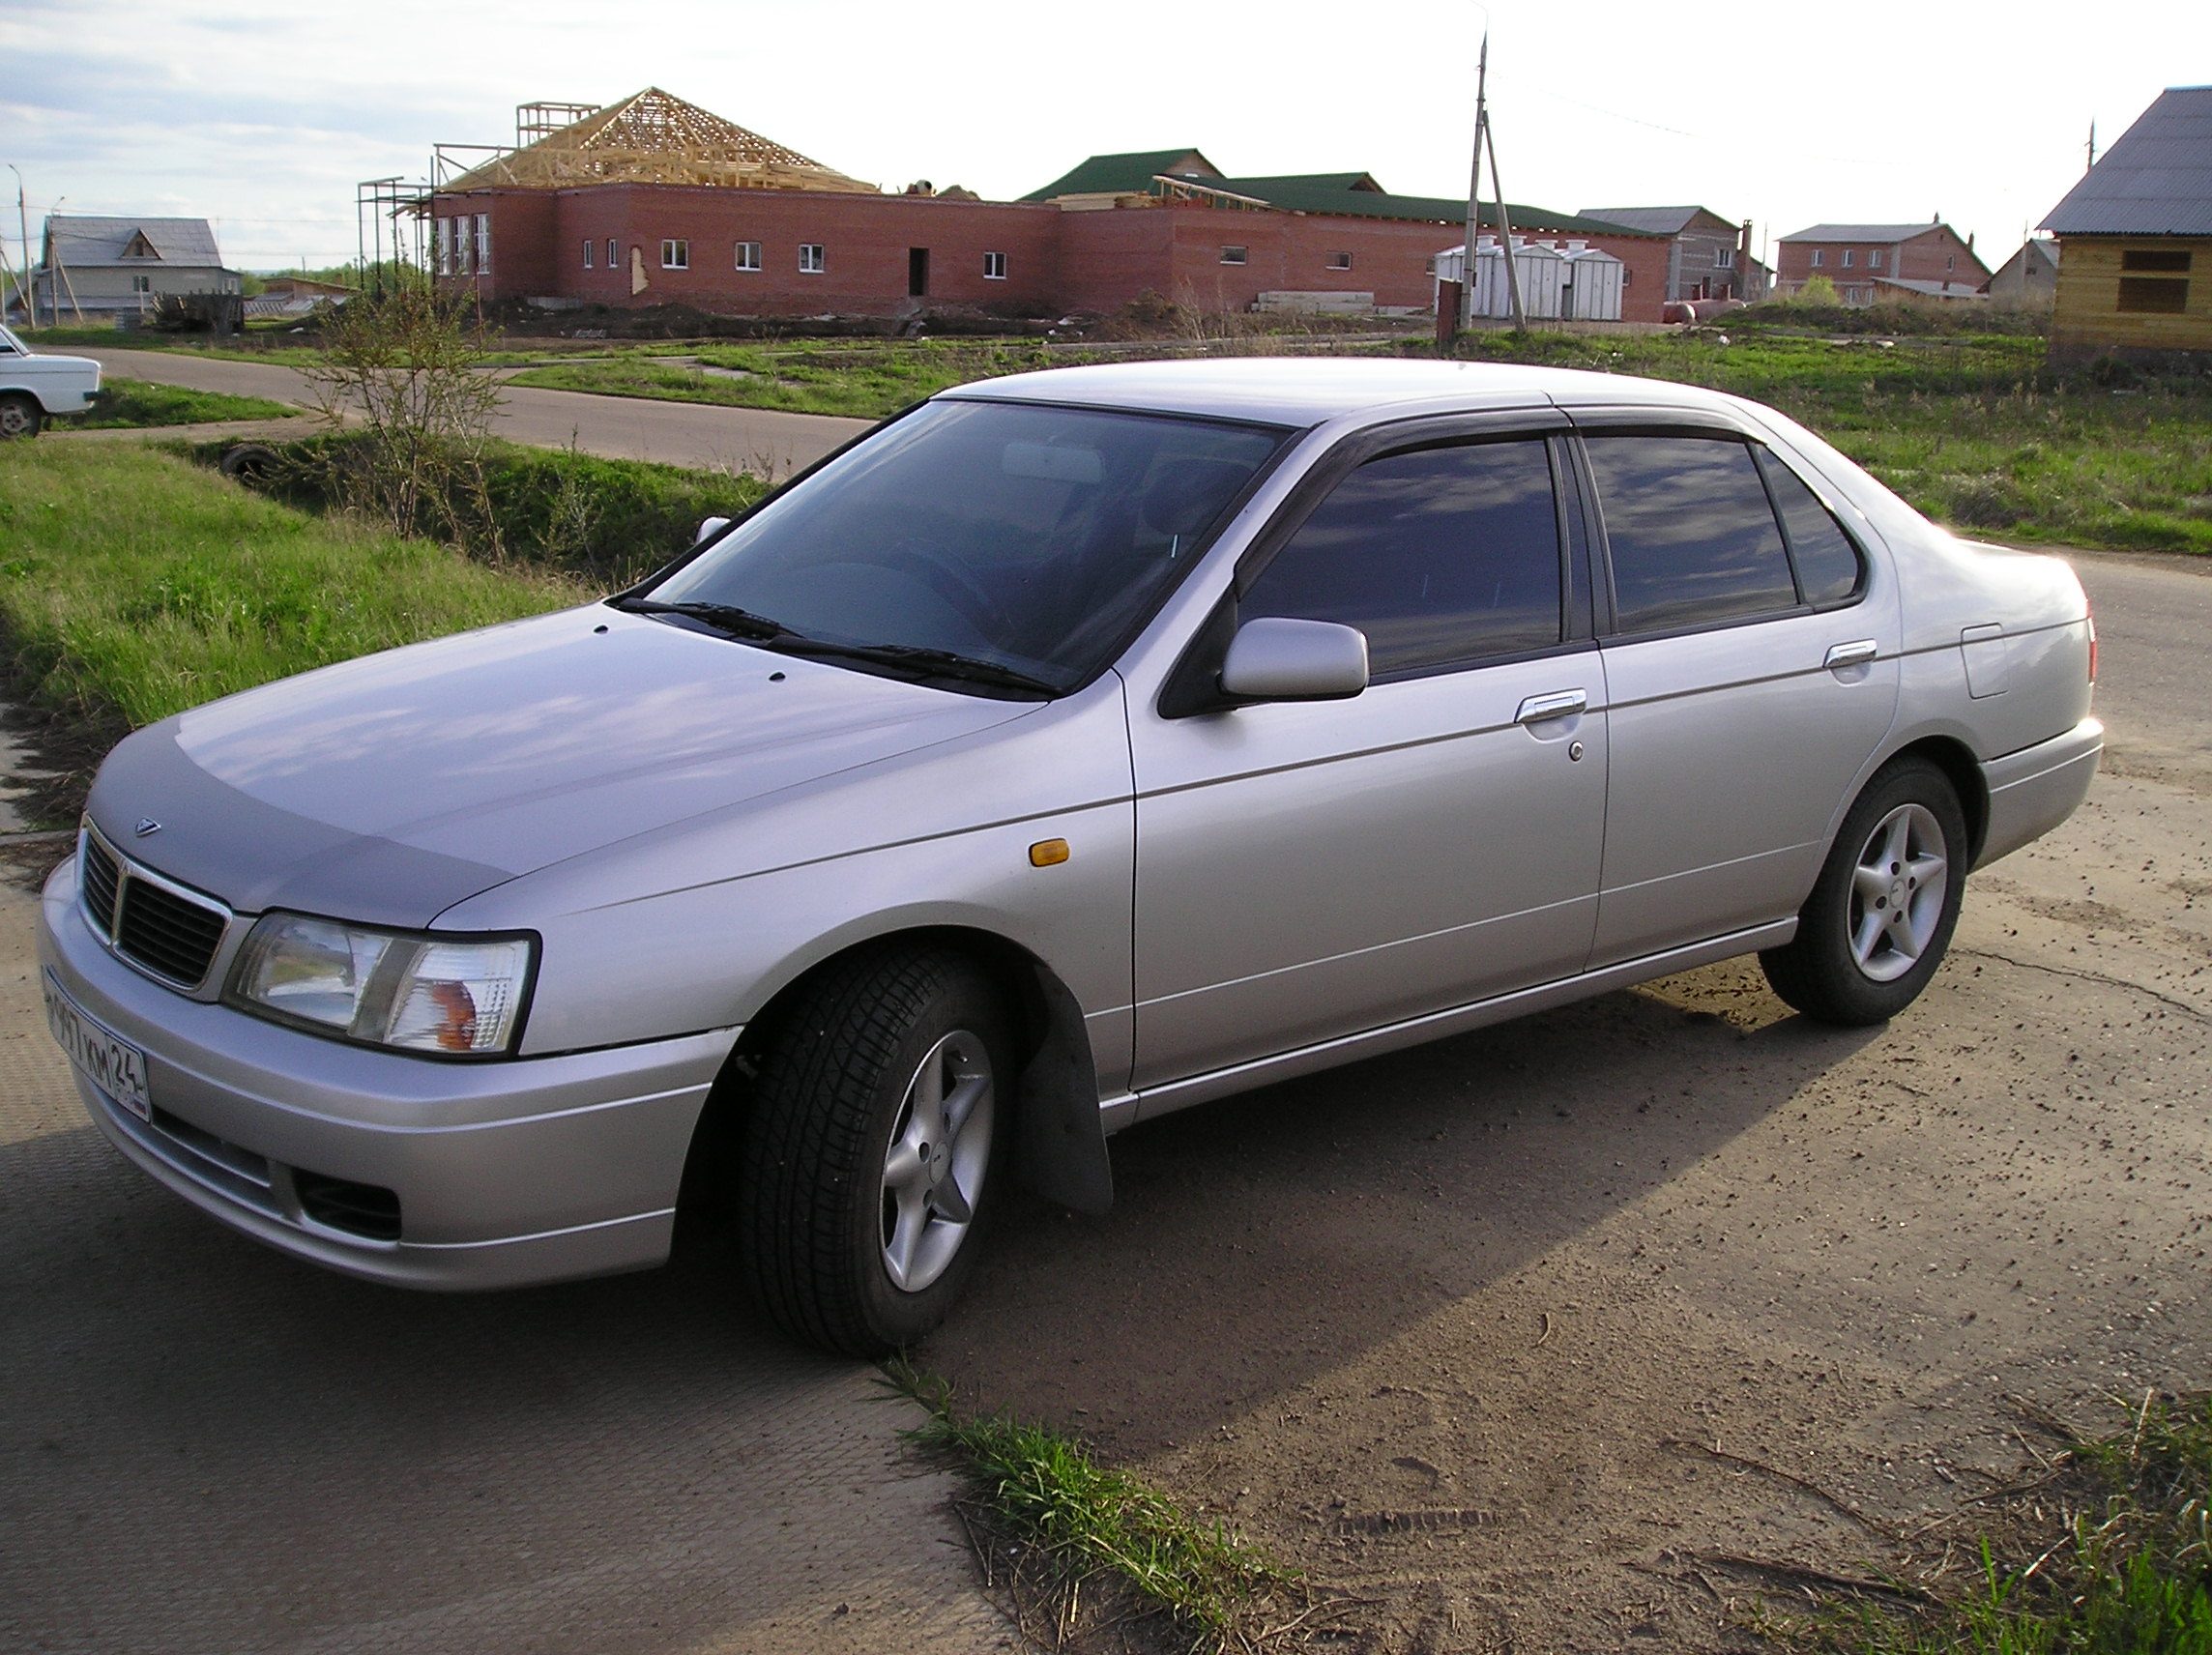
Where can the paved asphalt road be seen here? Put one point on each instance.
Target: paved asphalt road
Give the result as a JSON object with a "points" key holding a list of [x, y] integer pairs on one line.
{"points": [[758, 440], [207, 1447]]}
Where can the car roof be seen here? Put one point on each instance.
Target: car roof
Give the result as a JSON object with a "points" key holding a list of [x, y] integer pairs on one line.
{"points": [[1306, 390]]}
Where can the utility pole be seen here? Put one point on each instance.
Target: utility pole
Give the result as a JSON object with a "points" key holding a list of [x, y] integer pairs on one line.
{"points": [[2092, 148], [23, 228], [1484, 139]]}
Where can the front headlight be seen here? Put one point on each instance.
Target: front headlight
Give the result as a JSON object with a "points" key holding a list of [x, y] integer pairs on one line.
{"points": [[459, 995]]}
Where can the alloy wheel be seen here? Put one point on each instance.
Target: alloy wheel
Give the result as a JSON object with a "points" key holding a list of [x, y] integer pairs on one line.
{"points": [[934, 1167], [1897, 892]]}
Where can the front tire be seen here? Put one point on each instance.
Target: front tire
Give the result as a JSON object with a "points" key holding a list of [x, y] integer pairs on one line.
{"points": [[20, 417], [867, 1155], [1880, 915]]}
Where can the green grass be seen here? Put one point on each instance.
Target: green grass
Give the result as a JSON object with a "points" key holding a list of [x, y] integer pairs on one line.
{"points": [[2110, 1554], [865, 381], [1094, 1525], [131, 403], [133, 584], [1973, 430]]}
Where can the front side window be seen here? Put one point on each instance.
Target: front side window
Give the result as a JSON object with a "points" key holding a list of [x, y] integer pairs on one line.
{"points": [[1234, 256], [1028, 536], [748, 256], [810, 260], [1442, 556], [1691, 535], [675, 255]]}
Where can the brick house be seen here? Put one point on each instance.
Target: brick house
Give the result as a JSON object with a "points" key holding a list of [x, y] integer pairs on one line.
{"points": [[657, 202], [1871, 263], [1708, 257], [2136, 234]]}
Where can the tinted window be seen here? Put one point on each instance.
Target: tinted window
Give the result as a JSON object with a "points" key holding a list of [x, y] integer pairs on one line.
{"points": [[1028, 536], [1439, 555], [1693, 536], [1827, 563]]}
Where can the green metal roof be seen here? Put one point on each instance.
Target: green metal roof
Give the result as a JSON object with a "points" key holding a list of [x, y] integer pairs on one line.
{"points": [[1124, 174]]}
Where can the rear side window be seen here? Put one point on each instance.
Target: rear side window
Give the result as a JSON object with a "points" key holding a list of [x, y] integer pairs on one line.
{"points": [[1441, 556], [1692, 533], [1827, 563]]}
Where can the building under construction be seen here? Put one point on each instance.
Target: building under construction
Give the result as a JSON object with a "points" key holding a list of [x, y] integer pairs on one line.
{"points": [[655, 201]]}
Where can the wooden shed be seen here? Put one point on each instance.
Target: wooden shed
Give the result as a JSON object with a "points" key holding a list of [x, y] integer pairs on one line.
{"points": [[2136, 238]]}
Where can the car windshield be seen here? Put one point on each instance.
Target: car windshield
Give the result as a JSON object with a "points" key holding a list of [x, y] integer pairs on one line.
{"points": [[1028, 539]]}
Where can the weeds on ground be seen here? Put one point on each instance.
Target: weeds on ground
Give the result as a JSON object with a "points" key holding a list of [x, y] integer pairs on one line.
{"points": [[128, 404], [2109, 1553], [1084, 1548]]}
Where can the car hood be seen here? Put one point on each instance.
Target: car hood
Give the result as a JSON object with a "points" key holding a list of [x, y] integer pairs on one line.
{"points": [[387, 789]]}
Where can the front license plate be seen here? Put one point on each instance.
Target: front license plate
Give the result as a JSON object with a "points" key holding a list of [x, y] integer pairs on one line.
{"points": [[114, 1065]]}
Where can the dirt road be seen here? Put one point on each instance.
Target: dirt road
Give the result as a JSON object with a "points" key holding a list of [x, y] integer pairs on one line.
{"points": [[1457, 1329], [759, 439]]}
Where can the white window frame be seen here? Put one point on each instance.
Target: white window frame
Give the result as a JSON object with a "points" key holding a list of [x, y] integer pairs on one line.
{"points": [[1724, 258], [1850, 257], [1339, 261], [1236, 255], [464, 255], [813, 258], [748, 256], [1820, 257], [590, 252], [483, 244], [1874, 258], [675, 253], [443, 242], [994, 267], [614, 253]]}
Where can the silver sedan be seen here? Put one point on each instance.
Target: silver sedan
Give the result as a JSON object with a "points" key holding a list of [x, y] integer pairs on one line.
{"points": [[1075, 748]]}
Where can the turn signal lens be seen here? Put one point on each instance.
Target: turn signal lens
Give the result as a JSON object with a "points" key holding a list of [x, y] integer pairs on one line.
{"points": [[421, 994], [2093, 615]]}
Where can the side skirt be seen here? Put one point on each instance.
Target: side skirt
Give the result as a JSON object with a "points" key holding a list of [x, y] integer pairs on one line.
{"points": [[1130, 1108]]}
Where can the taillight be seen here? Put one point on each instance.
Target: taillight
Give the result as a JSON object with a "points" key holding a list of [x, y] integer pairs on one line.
{"points": [[2092, 619]]}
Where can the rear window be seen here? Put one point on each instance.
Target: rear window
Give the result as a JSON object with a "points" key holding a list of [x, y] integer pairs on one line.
{"points": [[1692, 533], [1827, 563]]}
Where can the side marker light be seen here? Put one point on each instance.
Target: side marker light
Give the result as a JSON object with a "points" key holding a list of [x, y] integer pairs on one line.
{"points": [[1048, 852]]}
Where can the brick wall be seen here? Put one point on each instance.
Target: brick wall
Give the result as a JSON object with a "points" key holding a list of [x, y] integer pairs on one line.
{"points": [[1055, 261]]}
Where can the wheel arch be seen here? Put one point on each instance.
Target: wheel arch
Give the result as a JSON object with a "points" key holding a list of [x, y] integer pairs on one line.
{"points": [[1059, 1138], [1956, 761]]}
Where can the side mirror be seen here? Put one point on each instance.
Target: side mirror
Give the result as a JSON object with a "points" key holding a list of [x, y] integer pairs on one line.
{"points": [[1276, 658], [708, 528]]}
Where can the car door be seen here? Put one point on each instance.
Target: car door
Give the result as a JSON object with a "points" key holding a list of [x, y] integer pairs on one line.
{"points": [[1750, 678], [1306, 870]]}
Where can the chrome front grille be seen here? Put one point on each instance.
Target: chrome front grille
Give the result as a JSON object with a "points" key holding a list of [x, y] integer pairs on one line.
{"points": [[166, 930]]}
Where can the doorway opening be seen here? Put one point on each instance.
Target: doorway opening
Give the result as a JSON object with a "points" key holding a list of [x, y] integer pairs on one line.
{"points": [[917, 273]]}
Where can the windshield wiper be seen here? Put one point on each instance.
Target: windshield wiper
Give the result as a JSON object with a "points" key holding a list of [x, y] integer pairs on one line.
{"points": [[722, 616], [930, 663]]}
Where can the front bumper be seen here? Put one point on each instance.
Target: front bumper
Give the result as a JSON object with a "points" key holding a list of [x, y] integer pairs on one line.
{"points": [[506, 1172]]}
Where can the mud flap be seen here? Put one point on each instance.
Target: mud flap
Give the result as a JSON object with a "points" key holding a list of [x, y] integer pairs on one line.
{"points": [[1062, 1138]]}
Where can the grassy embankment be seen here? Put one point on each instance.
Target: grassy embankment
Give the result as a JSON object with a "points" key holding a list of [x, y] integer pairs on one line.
{"points": [[130, 404], [133, 584]]}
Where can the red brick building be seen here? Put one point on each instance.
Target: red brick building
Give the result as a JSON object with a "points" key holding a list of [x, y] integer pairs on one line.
{"points": [[1871, 263], [622, 210]]}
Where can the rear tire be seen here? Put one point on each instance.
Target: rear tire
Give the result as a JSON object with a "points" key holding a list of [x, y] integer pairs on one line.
{"points": [[1882, 912], [20, 415], [867, 1156]]}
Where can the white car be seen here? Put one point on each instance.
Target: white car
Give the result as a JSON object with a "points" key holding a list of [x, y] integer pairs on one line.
{"points": [[33, 386]]}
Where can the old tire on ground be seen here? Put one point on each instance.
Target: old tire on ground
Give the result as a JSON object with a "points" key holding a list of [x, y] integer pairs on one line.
{"points": [[866, 1158], [1882, 912], [20, 415], [254, 463]]}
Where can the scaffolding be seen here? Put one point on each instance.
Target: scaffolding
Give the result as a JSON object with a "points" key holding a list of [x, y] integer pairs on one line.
{"points": [[542, 120], [390, 215]]}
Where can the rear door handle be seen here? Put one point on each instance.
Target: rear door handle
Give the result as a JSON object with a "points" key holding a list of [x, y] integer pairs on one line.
{"points": [[1561, 703], [1852, 655]]}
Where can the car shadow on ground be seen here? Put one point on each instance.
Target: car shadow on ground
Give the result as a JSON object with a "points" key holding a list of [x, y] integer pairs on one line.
{"points": [[1259, 1243]]}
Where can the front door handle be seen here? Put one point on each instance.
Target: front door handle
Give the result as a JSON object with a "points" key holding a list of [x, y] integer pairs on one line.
{"points": [[1852, 655], [1561, 703]]}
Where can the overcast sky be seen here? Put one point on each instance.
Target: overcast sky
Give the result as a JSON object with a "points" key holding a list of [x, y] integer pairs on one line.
{"points": [[261, 114]]}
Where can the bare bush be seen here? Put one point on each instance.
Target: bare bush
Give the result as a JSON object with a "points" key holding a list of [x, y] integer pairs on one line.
{"points": [[402, 370]]}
